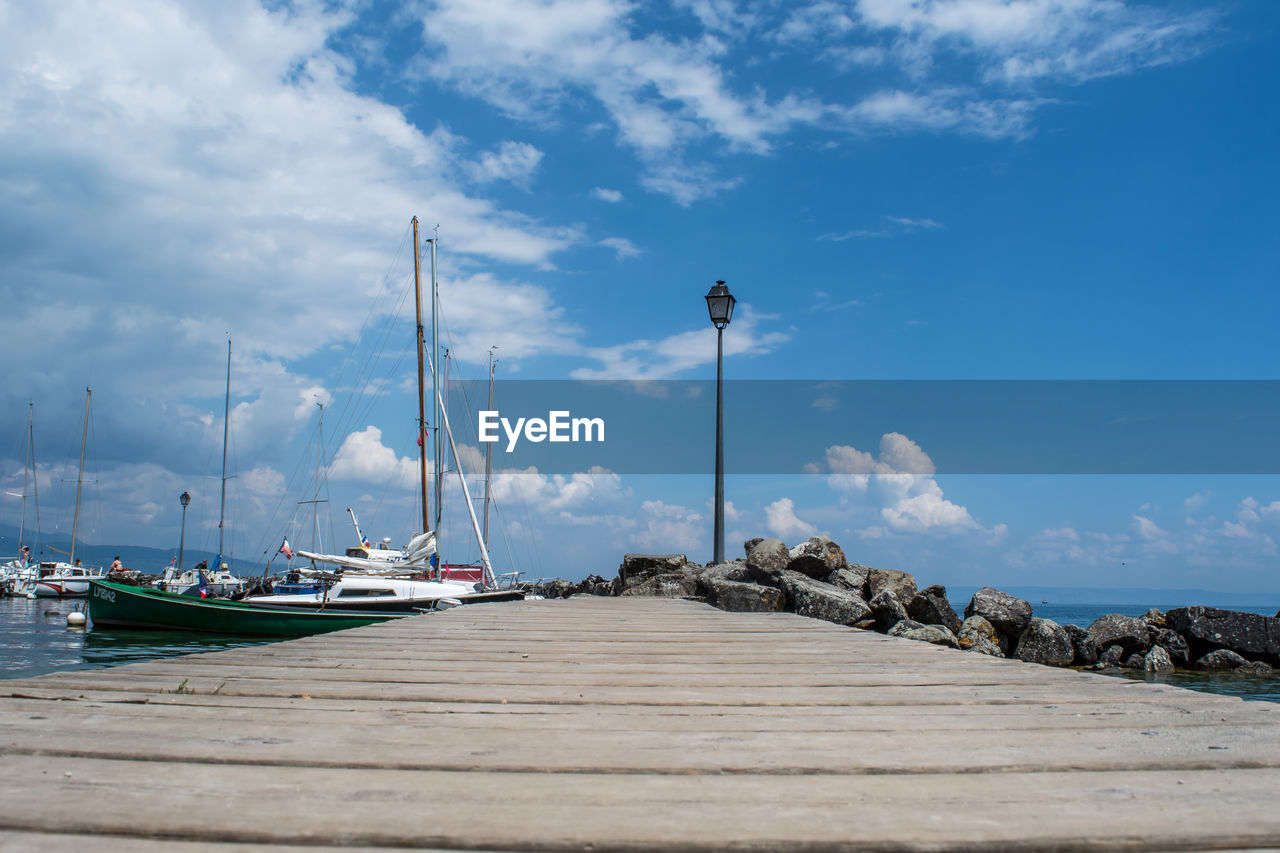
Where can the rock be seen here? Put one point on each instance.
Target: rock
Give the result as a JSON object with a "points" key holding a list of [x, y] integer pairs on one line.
{"points": [[853, 578], [1116, 630], [912, 630], [819, 600], [1007, 614], [666, 586], [738, 597], [1220, 660], [661, 575], [1047, 643], [978, 635], [1208, 628], [595, 585], [1086, 654], [1135, 661], [1111, 656], [557, 589], [735, 570], [931, 607], [1157, 660], [817, 557], [767, 560], [903, 584], [1153, 617], [1173, 643], [1255, 667], [751, 543], [887, 610]]}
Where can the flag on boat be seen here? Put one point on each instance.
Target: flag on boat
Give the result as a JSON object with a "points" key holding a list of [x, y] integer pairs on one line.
{"points": [[366, 542], [204, 581], [285, 549]]}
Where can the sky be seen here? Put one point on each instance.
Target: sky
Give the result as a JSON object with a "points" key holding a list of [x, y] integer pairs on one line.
{"points": [[896, 190]]}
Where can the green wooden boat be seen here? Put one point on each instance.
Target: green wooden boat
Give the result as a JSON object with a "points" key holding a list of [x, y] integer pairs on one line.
{"points": [[143, 607]]}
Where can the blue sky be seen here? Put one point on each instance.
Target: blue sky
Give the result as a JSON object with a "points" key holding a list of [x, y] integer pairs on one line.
{"points": [[893, 189]]}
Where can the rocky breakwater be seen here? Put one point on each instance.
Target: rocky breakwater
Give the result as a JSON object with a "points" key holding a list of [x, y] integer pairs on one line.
{"points": [[815, 579]]}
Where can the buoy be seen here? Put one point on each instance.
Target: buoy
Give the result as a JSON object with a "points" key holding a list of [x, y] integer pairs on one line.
{"points": [[76, 620]]}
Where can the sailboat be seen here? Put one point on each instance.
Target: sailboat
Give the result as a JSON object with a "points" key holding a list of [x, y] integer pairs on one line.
{"points": [[219, 582], [363, 579], [17, 571], [55, 579]]}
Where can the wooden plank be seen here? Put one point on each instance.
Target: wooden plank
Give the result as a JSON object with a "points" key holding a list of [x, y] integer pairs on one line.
{"points": [[632, 724]]}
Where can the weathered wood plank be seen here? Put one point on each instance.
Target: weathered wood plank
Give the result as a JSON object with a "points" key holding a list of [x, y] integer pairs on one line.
{"points": [[632, 724]]}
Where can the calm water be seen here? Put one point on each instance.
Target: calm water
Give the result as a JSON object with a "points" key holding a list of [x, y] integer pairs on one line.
{"points": [[35, 639]]}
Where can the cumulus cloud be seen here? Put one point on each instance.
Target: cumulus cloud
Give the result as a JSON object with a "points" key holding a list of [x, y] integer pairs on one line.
{"points": [[512, 161], [899, 482], [622, 246], [363, 458], [607, 195], [784, 523]]}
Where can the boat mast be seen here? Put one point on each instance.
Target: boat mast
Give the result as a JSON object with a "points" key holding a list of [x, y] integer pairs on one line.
{"points": [[422, 414], [22, 523], [226, 423], [436, 403], [315, 499], [75, 518], [35, 476], [488, 454]]}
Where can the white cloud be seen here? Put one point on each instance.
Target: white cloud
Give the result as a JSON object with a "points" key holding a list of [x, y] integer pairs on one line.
{"points": [[607, 195], [784, 523], [513, 161], [900, 483], [363, 458], [622, 246]]}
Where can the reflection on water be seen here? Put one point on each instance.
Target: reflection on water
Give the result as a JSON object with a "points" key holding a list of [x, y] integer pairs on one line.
{"points": [[35, 639], [1254, 687]]}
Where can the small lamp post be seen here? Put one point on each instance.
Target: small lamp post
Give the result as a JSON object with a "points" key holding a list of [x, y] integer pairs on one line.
{"points": [[185, 500], [720, 304]]}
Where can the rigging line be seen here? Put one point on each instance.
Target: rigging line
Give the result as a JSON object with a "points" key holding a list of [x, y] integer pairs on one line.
{"points": [[290, 489], [366, 374]]}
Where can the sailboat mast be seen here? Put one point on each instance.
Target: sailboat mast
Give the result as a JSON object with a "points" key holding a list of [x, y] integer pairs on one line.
{"points": [[422, 414], [315, 499], [436, 404], [226, 424], [22, 523], [35, 476], [489, 579], [488, 456], [75, 518]]}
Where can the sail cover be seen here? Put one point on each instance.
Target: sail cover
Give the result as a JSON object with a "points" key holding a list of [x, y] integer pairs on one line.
{"points": [[417, 555]]}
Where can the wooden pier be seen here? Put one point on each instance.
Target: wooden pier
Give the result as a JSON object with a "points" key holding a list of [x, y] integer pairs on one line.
{"points": [[626, 724]]}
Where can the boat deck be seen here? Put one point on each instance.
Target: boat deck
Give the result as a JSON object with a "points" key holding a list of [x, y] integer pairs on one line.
{"points": [[626, 724]]}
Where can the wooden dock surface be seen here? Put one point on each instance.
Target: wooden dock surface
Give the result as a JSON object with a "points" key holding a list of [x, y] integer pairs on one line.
{"points": [[626, 724]]}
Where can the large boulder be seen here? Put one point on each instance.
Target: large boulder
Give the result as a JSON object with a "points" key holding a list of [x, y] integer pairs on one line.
{"points": [[819, 600], [1046, 642], [1008, 614], [913, 630], [595, 585], [1157, 660], [931, 607], [1111, 656], [1255, 667], [1133, 635], [1174, 644], [735, 570], [739, 597], [853, 578], [886, 608], [817, 557], [903, 584], [658, 576], [1220, 660], [1086, 654], [1207, 628], [767, 560], [978, 635]]}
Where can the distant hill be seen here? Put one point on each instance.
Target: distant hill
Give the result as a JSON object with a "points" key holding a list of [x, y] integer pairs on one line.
{"points": [[150, 561]]}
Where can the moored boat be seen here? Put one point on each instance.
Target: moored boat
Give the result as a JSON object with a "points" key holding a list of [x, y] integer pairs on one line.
{"points": [[140, 607]]}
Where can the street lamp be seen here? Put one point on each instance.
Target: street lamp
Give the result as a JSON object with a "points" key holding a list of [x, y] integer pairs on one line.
{"points": [[185, 500], [720, 304]]}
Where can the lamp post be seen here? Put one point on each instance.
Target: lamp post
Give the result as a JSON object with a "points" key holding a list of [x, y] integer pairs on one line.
{"points": [[185, 500], [720, 304]]}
